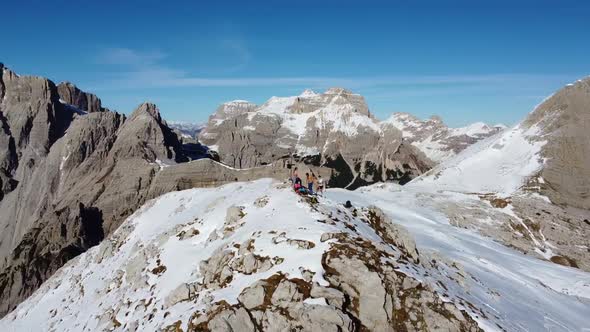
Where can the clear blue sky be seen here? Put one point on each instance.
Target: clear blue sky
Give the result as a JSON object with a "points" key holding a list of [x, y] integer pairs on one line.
{"points": [[464, 60]]}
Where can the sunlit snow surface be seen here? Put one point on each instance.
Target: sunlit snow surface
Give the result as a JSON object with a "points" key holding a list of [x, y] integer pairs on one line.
{"points": [[520, 292], [337, 117], [88, 286], [499, 164], [514, 291]]}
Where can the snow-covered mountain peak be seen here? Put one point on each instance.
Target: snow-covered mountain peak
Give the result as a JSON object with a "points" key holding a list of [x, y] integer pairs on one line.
{"points": [[473, 130], [237, 102], [231, 109], [237, 105], [320, 124], [403, 120], [308, 93], [436, 118], [335, 128], [338, 91]]}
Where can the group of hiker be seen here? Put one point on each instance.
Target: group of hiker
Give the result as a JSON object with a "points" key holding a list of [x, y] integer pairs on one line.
{"points": [[311, 180]]}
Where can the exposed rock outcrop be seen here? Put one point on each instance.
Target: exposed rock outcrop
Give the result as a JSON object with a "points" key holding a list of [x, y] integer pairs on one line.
{"points": [[84, 101], [31, 120], [90, 167], [68, 175], [563, 122]]}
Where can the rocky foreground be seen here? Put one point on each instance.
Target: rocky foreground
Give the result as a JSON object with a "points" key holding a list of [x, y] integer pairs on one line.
{"points": [[256, 256]]}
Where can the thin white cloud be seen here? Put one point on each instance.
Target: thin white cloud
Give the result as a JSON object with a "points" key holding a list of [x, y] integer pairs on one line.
{"points": [[239, 50], [168, 78], [146, 70], [128, 57]]}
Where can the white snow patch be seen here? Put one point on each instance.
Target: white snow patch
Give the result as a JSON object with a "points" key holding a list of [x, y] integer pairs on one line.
{"points": [[499, 164], [519, 292]]}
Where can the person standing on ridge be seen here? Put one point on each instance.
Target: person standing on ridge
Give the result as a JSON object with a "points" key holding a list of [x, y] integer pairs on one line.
{"points": [[296, 179], [294, 175], [309, 180], [320, 185]]}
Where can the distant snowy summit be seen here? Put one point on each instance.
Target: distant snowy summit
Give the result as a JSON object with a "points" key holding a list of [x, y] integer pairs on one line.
{"points": [[438, 141], [333, 130], [337, 130], [186, 129]]}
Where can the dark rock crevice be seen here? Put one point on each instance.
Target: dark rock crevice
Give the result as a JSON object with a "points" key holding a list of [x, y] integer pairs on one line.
{"points": [[44, 249]]}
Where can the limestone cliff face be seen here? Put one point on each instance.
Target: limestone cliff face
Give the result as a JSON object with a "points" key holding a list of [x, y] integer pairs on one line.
{"points": [[332, 130], [563, 122], [84, 101], [68, 199], [68, 175], [31, 120]]}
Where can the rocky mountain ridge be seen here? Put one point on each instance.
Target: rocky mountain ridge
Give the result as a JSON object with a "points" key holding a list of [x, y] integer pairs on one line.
{"points": [[71, 95], [435, 139], [333, 131], [229, 235]]}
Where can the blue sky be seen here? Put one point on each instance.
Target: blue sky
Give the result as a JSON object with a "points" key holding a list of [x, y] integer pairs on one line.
{"points": [[463, 60]]}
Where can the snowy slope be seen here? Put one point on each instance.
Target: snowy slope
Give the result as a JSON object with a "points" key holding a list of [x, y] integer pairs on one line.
{"points": [[500, 164], [161, 247], [112, 274], [522, 293], [134, 279]]}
